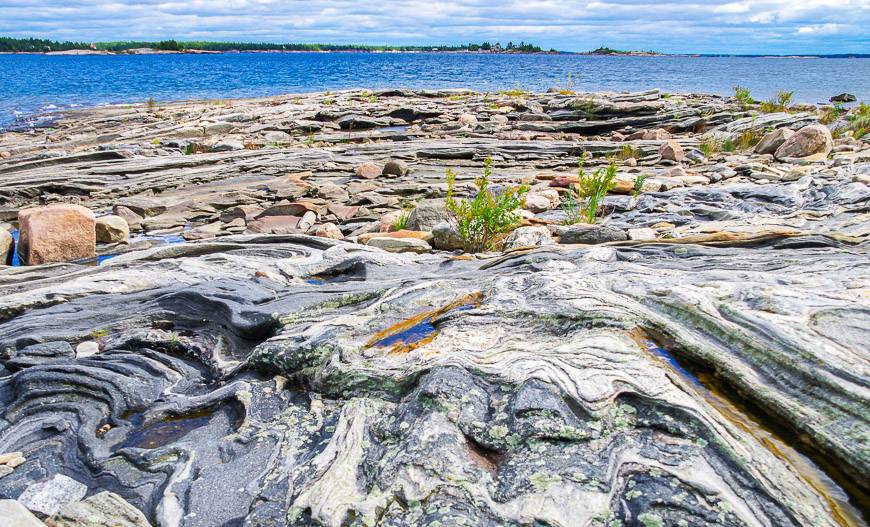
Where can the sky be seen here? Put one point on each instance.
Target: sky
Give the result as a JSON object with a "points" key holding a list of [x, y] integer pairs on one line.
{"points": [[702, 26]]}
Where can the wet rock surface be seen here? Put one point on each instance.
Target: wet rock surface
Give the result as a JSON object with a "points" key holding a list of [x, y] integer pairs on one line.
{"points": [[658, 368]]}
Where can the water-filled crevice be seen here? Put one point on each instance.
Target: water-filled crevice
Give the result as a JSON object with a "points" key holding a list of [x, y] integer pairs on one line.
{"points": [[847, 496]]}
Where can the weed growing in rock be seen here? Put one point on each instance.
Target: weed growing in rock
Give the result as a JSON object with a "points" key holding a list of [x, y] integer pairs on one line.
{"points": [[482, 220], [831, 114], [152, 106], [515, 92], [586, 107], [778, 104], [748, 139], [583, 199], [402, 221], [859, 121], [728, 145], [743, 97], [627, 152], [638, 184], [710, 146]]}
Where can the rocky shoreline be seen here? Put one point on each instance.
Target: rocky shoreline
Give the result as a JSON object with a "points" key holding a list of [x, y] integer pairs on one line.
{"points": [[258, 312]]}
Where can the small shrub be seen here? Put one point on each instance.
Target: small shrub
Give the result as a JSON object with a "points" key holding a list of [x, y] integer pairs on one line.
{"points": [[728, 145], [830, 114], [710, 147], [778, 104], [587, 108], [743, 97], [638, 184], [515, 92], [627, 152], [402, 221], [748, 139], [152, 106], [583, 199], [482, 220]]}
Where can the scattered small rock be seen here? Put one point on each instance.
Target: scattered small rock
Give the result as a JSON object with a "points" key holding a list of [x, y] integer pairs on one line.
{"points": [[105, 509], [395, 167], [672, 151], [49, 495], [532, 236], [112, 229], [369, 170]]}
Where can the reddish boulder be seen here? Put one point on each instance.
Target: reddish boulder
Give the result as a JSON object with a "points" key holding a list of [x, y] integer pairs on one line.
{"points": [[56, 233], [276, 225]]}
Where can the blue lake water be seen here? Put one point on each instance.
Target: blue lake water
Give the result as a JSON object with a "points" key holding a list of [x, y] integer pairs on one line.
{"points": [[34, 83]]}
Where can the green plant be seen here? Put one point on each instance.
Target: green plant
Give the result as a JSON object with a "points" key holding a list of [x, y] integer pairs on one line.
{"points": [[710, 146], [638, 184], [830, 114], [482, 220], [310, 140], [401, 222], [778, 104], [728, 145], [627, 152], [859, 121], [748, 139], [515, 92], [329, 101], [743, 96], [189, 149], [583, 199], [152, 106], [587, 107], [99, 333]]}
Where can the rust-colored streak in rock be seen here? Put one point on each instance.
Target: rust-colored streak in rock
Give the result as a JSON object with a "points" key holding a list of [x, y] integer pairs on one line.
{"points": [[472, 299]]}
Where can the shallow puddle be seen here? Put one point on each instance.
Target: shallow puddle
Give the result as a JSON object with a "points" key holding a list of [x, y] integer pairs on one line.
{"points": [[167, 239], [420, 329], [847, 501], [163, 432]]}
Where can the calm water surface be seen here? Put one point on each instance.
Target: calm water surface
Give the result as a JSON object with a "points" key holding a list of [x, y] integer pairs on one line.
{"points": [[35, 83]]}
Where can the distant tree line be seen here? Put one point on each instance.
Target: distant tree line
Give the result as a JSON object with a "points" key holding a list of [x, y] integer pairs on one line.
{"points": [[42, 45]]}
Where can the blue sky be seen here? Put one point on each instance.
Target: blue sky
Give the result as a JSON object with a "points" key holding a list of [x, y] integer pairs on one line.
{"points": [[703, 26]]}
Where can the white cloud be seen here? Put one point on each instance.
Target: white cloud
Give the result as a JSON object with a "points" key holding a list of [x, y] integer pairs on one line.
{"points": [[738, 26]]}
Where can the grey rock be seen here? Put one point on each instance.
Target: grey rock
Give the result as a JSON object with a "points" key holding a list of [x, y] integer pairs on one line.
{"points": [[808, 141], [105, 509], [49, 495], [400, 245], [532, 236], [14, 514], [395, 167], [773, 140], [427, 214], [844, 97], [227, 146], [593, 234], [40, 354], [445, 237]]}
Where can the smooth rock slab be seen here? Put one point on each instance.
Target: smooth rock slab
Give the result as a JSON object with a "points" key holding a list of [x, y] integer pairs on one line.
{"points": [[592, 234], [400, 245], [105, 509], [14, 514], [48, 496], [56, 233]]}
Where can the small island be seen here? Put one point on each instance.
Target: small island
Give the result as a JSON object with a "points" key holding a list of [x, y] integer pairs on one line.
{"points": [[132, 47]]}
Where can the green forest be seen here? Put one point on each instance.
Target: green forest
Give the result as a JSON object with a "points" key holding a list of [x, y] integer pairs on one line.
{"points": [[37, 45]]}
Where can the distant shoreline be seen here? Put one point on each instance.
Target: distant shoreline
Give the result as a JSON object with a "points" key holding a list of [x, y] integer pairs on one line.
{"points": [[151, 51], [87, 52]]}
